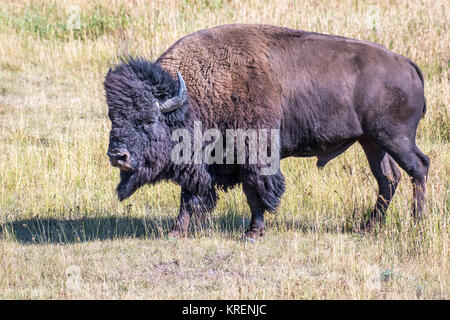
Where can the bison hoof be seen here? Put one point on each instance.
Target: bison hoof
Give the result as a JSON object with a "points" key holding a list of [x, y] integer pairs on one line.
{"points": [[253, 234], [176, 234], [371, 225]]}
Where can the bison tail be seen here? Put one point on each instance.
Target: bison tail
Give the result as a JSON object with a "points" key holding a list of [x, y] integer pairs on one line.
{"points": [[419, 72], [424, 108]]}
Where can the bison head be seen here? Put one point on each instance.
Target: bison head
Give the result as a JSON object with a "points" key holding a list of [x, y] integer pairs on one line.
{"points": [[140, 95]]}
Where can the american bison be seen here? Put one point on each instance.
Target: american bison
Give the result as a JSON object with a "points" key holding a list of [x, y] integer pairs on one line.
{"points": [[319, 93]]}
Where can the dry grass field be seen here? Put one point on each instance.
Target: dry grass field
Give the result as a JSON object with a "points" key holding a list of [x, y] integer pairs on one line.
{"points": [[64, 234]]}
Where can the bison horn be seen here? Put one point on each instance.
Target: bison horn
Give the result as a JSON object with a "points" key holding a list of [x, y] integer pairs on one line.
{"points": [[178, 100]]}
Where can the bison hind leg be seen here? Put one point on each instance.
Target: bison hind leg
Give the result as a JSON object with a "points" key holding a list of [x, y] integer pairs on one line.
{"points": [[387, 175], [416, 164]]}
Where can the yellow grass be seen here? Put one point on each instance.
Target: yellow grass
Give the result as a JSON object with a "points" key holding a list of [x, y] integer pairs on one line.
{"points": [[59, 212]]}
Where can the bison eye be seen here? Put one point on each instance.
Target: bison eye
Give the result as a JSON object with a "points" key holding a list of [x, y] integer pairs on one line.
{"points": [[147, 127], [139, 122]]}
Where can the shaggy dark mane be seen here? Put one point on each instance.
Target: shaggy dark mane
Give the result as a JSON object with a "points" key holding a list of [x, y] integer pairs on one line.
{"points": [[160, 81], [157, 81]]}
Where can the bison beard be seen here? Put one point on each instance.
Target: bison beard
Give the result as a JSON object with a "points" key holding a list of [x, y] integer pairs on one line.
{"points": [[323, 93], [129, 183]]}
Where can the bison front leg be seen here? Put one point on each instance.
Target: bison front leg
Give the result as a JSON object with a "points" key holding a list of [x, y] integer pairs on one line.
{"points": [[181, 224], [263, 194], [192, 205], [256, 227]]}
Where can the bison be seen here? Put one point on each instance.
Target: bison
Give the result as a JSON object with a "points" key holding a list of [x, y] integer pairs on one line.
{"points": [[321, 92]]}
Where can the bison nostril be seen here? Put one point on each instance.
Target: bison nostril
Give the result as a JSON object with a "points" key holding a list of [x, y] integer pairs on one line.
{"points": [[118, 154], [120, 158]]}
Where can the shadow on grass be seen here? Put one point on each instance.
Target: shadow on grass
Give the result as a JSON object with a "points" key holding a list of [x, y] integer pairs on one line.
{"points": [[85, 229], [52, 230]]}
